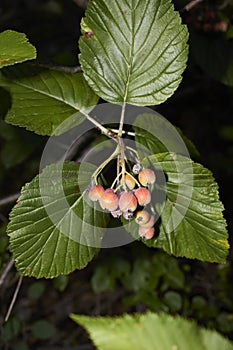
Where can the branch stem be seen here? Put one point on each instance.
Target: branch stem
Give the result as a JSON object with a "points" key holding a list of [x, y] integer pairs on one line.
{"points": [[14, 298], [6, 271], [103, 165], [10, 199], [121, 125]]}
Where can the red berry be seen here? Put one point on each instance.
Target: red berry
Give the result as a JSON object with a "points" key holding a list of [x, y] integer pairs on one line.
{"points": [[143, 195], [127, 202], [95, 193], [130, 182], [146, 233], [109, 200], [142, 217], [146, 177], [150, 233], [150, 223]]}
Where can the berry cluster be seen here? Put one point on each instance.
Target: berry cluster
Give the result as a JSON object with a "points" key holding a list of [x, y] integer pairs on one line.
{"points": [[125, 202]]}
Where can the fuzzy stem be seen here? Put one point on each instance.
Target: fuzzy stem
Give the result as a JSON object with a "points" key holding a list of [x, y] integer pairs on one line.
{"points": [[121, 125], [103, 165], [104, 130]]}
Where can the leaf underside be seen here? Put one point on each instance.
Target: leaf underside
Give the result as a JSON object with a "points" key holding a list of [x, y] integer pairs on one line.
{"points": [[53, 228], [133, 51], [150, 332]]}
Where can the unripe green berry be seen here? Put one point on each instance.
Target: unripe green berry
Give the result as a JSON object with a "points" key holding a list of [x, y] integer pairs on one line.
{"points": [[127, 202], [95, 193], [146, 233], [143, 195], [130, 182], [109, 200], [146, 177], [142, 217]]}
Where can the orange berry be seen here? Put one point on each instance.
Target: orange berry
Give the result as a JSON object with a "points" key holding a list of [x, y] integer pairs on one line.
{"points": [[95, 193], [150, 233], [109, 200], [142, 217], [146, 233], [127, 202], [146, 177], [143, 195], [150, 223], [130, 182]]}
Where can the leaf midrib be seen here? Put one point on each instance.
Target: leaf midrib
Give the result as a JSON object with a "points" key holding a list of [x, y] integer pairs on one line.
{"points": [[130, 59]]}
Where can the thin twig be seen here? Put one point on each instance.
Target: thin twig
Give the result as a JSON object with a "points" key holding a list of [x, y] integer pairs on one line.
{"points": [[14, 298], [10, 199], [6, 271], [224, 4], [65, 69], [81, 3], [191, 5]]}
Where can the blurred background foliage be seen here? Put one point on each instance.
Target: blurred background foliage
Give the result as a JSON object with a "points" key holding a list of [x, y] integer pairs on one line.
{"points": [[131, 278]]}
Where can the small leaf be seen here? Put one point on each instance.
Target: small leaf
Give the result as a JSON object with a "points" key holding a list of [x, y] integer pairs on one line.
{"points": [[43, 329], [46, 101], [173, 300], [133, 51], [35, 290], [192, 223], [150, 332], [15, 48], [53, 228], [207, 51], [19, 146]]}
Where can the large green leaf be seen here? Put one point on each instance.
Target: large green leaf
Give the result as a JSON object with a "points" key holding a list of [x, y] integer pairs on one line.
{"points": [[191, 220], [133, 51], [150, 332], [53, 228], [154, 134], [192, 196], [46, 101], [15, 48]]}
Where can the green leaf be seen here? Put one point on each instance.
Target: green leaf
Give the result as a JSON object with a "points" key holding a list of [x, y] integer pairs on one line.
{"points": [[43, 329], [106, 274], [15, 48], [207, 51], [150, 332], [46, 101], [54, 229], [192, 223], [19, 144], [154, 134], [173, 300], [35, 290], [133, 51]]}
